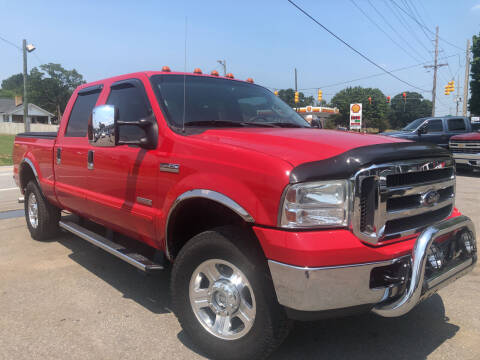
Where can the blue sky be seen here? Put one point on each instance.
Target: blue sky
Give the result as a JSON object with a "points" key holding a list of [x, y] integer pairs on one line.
{"points": [[265, 39]]}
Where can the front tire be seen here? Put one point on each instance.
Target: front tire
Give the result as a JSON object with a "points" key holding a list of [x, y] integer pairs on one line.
{"points": [[42, 217], [224, 298]]}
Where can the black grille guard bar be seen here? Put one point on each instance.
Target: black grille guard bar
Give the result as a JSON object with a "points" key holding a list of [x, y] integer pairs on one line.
{"points": [[413, 293]]}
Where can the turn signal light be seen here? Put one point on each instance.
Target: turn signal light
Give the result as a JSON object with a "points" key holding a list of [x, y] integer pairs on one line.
{"points": [[166, 69], [250, 80], [229, 75], [214, 73], [197, 71]]}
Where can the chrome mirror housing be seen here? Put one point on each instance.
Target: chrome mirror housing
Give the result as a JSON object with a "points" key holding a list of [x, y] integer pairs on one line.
{"points": [[102, 127]]}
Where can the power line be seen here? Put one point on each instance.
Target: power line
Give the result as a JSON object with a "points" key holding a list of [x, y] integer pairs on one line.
{"points": [[383, 31], [407, 26], [426, 28], [351, 47], [10, 43], [376, 75], [393, 29]]}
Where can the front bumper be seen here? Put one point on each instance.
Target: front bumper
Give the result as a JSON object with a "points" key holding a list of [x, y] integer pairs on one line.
{"points": [[467, 159], [336, 287]]}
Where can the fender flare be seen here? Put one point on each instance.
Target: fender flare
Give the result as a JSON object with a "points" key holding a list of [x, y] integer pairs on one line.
{"points": [[210, 195], [34, 170]]}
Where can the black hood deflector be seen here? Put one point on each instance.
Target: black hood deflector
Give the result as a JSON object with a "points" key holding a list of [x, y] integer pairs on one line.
{"points": [[345, 165]]}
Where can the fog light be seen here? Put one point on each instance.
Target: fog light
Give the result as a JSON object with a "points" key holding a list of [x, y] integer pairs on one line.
{"points": [[435, 257], [467, 242]]}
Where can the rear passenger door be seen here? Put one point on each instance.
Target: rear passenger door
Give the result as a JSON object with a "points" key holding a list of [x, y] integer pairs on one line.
{"points": [[456, 126], [70, 153], [122, 180]]}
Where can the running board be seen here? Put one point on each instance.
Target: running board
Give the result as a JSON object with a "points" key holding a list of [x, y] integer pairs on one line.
{"points": [[120, 251]]}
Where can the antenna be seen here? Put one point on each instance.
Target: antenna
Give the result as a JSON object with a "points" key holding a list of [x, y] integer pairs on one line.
{"points": [[184, 78]]}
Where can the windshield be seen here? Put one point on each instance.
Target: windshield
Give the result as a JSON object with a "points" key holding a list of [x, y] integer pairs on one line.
{"points": [[220, 102], [414, 124]]}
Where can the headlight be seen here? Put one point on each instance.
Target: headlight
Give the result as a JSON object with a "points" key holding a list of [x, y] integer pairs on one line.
{"points": [[316, 204]]}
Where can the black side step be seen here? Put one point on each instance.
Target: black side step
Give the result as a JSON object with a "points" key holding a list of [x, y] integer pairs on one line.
{"points": [[120, 251]]}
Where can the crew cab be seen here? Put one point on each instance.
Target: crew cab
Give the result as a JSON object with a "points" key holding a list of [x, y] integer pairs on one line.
{"points": [[466, 149], [435, 130], [262, 218]]}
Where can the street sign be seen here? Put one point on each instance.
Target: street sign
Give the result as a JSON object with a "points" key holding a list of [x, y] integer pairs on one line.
{"points": [[355, 116]]}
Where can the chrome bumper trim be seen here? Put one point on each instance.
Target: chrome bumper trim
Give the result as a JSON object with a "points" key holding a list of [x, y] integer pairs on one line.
{"points": [[335, 287], [413, 294], [463, 158], [325, 288]]}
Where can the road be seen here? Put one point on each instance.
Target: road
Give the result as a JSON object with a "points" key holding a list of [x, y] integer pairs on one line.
{"points": [[67, 299]]}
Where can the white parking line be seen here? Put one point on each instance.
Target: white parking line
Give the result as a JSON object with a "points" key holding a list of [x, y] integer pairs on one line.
{"points": [[7, 174], [9, 189]]}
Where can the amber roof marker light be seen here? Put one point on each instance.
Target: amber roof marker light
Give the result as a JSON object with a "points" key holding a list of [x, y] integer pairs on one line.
{"points": [[230, 76], [165, 68], [197, 71], [214, 73], [250, 80]]}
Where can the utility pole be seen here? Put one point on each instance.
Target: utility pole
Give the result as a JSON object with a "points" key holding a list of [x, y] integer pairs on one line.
{"points": [[467, 78], [296, 88], [26, 120], [435, 67], [224, 64], [458, 99]]}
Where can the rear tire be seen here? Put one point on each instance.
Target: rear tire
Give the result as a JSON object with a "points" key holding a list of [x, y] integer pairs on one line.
{"points": [[42, 217], [242, 292]]}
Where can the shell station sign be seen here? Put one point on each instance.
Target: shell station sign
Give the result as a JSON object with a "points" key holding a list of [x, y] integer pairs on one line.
{"points": [[355, 116]]}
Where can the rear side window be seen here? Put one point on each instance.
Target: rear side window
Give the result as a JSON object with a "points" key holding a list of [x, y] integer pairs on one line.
{"points": [[84, 104], [130, 99], [456, 125], [435, 126]]}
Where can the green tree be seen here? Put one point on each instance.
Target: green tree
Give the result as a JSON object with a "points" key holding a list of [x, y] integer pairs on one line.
{"points": [[51, 86], [403, 112], [474, 102], [374, 114], [13, 84], [288, 95]]}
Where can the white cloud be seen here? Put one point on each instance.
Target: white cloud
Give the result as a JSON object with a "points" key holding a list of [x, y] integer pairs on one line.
{"points": [[475, 7]]}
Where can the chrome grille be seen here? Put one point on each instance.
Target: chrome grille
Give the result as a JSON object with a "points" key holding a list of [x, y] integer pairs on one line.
{"points": [[465, 146], [401, 198]]}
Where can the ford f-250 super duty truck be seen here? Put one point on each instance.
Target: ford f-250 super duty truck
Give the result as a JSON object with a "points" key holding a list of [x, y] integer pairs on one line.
{"points": [[263, 218]]}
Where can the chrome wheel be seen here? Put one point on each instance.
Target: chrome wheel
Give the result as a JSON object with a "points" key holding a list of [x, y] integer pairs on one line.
{"points": [[222, 299], [32, 207]]}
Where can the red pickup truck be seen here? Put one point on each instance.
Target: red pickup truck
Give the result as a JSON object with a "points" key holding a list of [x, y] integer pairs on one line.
{"points": [[263, 218]]}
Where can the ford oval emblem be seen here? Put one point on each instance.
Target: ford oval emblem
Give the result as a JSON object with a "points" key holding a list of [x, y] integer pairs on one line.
{"points": [[430, 198]]}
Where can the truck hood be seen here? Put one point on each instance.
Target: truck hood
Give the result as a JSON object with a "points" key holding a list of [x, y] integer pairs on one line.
{"points": [[474, 136], [296, 146]]}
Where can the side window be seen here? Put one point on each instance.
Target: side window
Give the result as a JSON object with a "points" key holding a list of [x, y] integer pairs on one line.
{"points": [[130, 99], [78, 121], [435, 126], [456, 125]]}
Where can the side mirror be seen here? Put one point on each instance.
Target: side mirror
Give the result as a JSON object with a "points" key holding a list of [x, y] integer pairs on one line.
{"points": [[102, 129]]}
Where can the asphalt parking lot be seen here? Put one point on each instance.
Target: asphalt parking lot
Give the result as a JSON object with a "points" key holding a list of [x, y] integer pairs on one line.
{"points": [[66, 299]]}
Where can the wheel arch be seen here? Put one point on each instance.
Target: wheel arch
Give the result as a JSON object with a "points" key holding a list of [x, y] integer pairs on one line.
{"points": [[27, 172], [214, 207]]}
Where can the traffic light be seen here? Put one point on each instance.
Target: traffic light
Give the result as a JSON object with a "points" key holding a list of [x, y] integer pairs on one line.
{"points": [[404, 95], [297, 98], [450, 87], [275, 92], [370, 100], [320, 93], [388, 99]]}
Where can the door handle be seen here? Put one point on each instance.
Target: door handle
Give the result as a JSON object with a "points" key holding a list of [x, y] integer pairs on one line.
{"points": [[59, 156], [90, 159]]}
